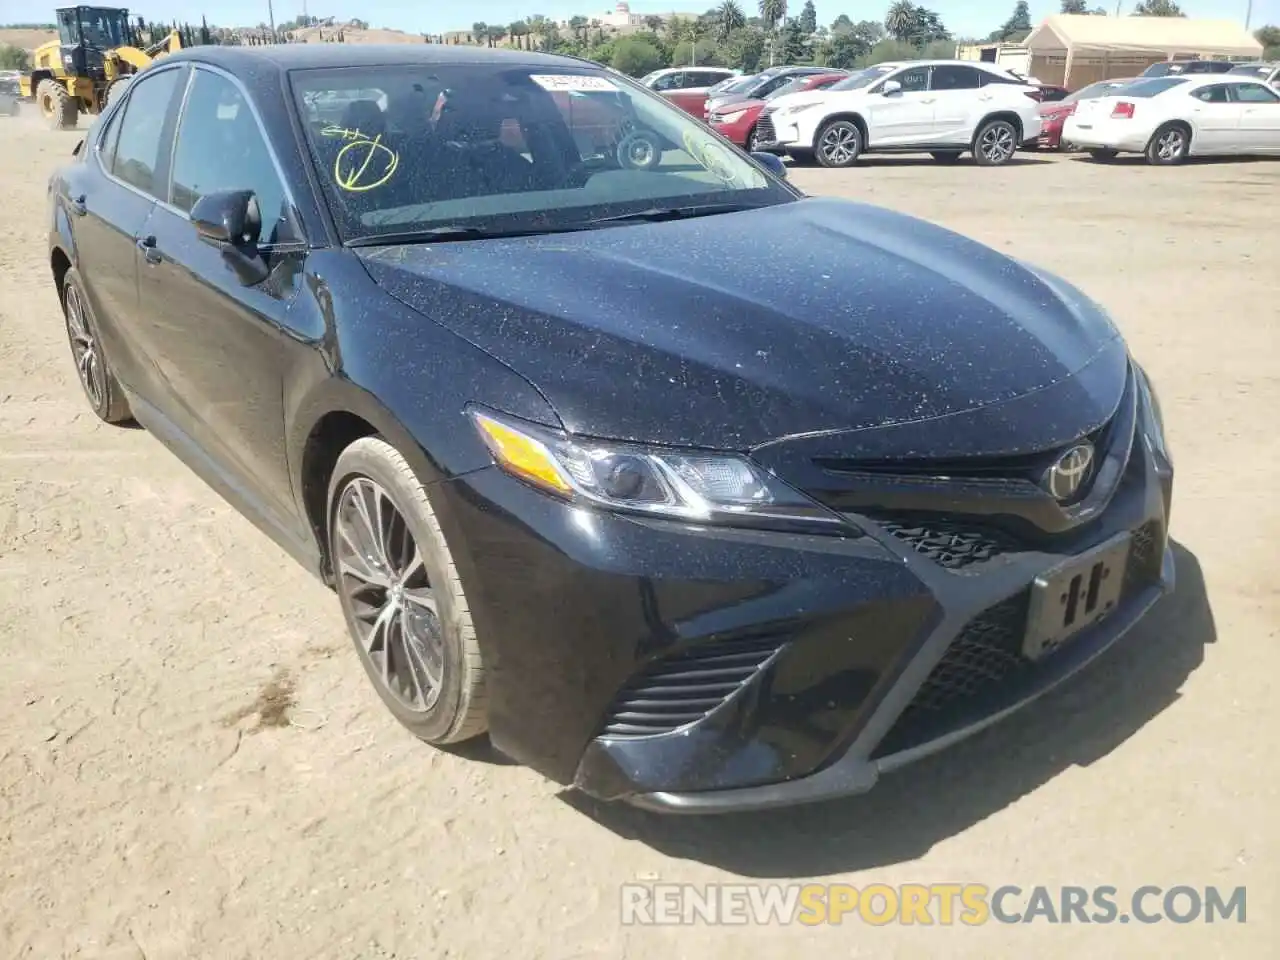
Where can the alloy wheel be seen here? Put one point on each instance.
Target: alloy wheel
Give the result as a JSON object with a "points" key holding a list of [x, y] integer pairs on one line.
{"points": [[383, 581], [1170, 145], [839, 145], [997, 143], [84, 350]]}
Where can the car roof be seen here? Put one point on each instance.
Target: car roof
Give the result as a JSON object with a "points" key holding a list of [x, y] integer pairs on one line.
{"points": [[307, 56]]}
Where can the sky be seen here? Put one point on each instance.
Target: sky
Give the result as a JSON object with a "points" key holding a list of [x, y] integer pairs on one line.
{"points": [[962, 17]]}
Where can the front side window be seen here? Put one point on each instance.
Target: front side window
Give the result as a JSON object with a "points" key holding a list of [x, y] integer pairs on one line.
{"points": [[511, 148], [950, 77], [669, 81], [145, 134], [1255, 93], [221, 147], [913, 80]]}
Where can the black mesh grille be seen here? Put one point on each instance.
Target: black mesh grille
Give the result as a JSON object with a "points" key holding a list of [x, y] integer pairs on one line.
{"points": [[684, 688], [985, 661], [950, 545], [764, 129]]}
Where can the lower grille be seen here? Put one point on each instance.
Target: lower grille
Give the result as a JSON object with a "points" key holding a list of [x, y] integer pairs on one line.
{"points": [[950, 545], [984, 666], [765, 132], [683, 688]]}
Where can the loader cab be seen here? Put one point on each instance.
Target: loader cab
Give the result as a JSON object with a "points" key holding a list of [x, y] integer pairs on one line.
{"points": [[86, 34]]}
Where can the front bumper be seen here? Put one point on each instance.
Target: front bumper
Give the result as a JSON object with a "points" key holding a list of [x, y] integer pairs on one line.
{"points": [[700, 670]]}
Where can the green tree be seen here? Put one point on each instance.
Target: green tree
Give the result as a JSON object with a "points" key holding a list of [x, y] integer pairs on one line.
{"points": [[843, 50], [744, 49], [900, 20], [1158, 8], [729, 17], [636, 57], [480, 32], [653, 23], [1016, 27], [809, 18], [1075, 6], [794, 46], [14, 58], [841, 24]]}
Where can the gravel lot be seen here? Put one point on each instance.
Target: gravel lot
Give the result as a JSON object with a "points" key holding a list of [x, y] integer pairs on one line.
{"points": [[192, 763]]}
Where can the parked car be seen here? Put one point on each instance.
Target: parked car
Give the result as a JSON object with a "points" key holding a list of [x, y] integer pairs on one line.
{"points": [[687, 87], [9, 98], [737, 121], [1170, 68], [582, 470], [1266, 72], [1172, 118], [1054, 115], [943, 107], [764, 83]]}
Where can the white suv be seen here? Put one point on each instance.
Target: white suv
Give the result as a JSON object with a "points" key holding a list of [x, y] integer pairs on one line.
{"points": [[943, 107]]}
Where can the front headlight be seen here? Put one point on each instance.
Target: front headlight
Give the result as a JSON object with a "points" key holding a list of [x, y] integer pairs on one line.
{"points": [[679, 484], [798, 108]]}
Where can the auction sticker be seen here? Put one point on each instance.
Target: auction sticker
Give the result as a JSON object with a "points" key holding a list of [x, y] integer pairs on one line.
{"points": [[566, 82]]}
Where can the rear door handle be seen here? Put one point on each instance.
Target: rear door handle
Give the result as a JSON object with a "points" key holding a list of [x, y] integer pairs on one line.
{"points": [[149, 249], [78, 206]]}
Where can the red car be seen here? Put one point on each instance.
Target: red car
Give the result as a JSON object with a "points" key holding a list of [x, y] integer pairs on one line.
{"points": [[737, 121], [1054, 115]]}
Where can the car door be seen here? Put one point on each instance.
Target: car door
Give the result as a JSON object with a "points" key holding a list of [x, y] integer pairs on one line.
{"points": [[954, 89], [904, 117], [224, 343], [1215, 120], [1259, 108], [112, 198]]}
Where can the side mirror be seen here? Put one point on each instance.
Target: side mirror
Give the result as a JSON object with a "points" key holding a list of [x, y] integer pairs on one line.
{"points": [[772, 161], [891, 87], [231, 221]]}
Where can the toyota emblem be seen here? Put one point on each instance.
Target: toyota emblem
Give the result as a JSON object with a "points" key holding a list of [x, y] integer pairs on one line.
{"points": [[1068, 474]]}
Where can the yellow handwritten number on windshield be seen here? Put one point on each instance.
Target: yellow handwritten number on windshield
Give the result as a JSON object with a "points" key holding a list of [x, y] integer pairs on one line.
{"points": [[364, 165]]}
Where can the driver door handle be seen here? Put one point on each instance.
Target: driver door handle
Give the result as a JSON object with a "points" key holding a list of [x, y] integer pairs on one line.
{"points": [[149, 249]]}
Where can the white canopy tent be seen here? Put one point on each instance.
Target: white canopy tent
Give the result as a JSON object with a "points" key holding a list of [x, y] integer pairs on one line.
{"points": [[1153, 38]]}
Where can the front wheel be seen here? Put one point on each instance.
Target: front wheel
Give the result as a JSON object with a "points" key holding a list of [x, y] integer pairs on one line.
{"points": [[1169, 145], [995, 143], [839, 144], [402, 597], [59, 108]]}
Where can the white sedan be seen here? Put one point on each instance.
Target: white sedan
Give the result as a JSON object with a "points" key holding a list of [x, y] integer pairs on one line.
{"points": [[1172, 118]]}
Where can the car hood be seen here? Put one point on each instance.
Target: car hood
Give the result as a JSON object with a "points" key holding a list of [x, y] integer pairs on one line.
{"points": [[797, 99], [735, 105], [733, 330]]}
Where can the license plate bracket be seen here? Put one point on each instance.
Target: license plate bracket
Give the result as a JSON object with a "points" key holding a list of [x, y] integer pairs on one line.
{"points": [[1074, 596]]}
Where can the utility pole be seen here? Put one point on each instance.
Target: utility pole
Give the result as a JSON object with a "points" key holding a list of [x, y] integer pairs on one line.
{"points": [[1248, 14], [271, 15]]}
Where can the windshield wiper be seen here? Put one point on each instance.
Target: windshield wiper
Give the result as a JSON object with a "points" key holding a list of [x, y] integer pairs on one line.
{"points": [[450, 232], [658, 214]]}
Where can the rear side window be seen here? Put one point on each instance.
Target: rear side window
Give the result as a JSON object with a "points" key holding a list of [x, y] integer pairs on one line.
{"points": [[1214, 94], [145, 133], [221, 147], [951, 77]]}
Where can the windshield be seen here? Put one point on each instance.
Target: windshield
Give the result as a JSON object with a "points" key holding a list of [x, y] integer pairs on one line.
{"points": [[101, 27], [861, 79], [1253, 69], [734, 85], [1149, 87], [502, 148]]}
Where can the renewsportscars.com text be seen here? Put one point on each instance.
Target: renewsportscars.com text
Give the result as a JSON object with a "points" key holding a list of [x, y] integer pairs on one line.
{"points": [[964, 904]]}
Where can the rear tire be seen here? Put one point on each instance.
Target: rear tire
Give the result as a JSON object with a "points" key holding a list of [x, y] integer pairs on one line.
{"points": [[839, 144], [60, 109], [995, 143], [97, 379], [1169, 145], [428, 637]]}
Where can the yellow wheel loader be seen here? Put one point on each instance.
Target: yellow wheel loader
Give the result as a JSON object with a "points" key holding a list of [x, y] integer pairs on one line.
{"points": [[88, 65]]}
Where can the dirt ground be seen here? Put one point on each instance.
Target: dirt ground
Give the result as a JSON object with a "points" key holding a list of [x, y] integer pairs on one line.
{"points": [[192, 763]]}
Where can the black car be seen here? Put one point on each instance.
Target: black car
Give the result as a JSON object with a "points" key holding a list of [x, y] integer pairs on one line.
{"points": [[1169, 68], [691, 490]]}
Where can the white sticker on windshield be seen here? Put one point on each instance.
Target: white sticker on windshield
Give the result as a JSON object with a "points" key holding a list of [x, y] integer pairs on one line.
{"points": [[576, 83]]}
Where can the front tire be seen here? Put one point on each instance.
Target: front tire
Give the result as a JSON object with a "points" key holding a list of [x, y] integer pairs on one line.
{"points": [[753, 141], [59, 108], [995, 143], [97, 379], [839, 144], [402, 597], [1169, 145]]}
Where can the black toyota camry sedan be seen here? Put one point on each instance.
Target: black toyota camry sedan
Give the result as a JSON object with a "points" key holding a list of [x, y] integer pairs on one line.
{"points": [[690, 490]]}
